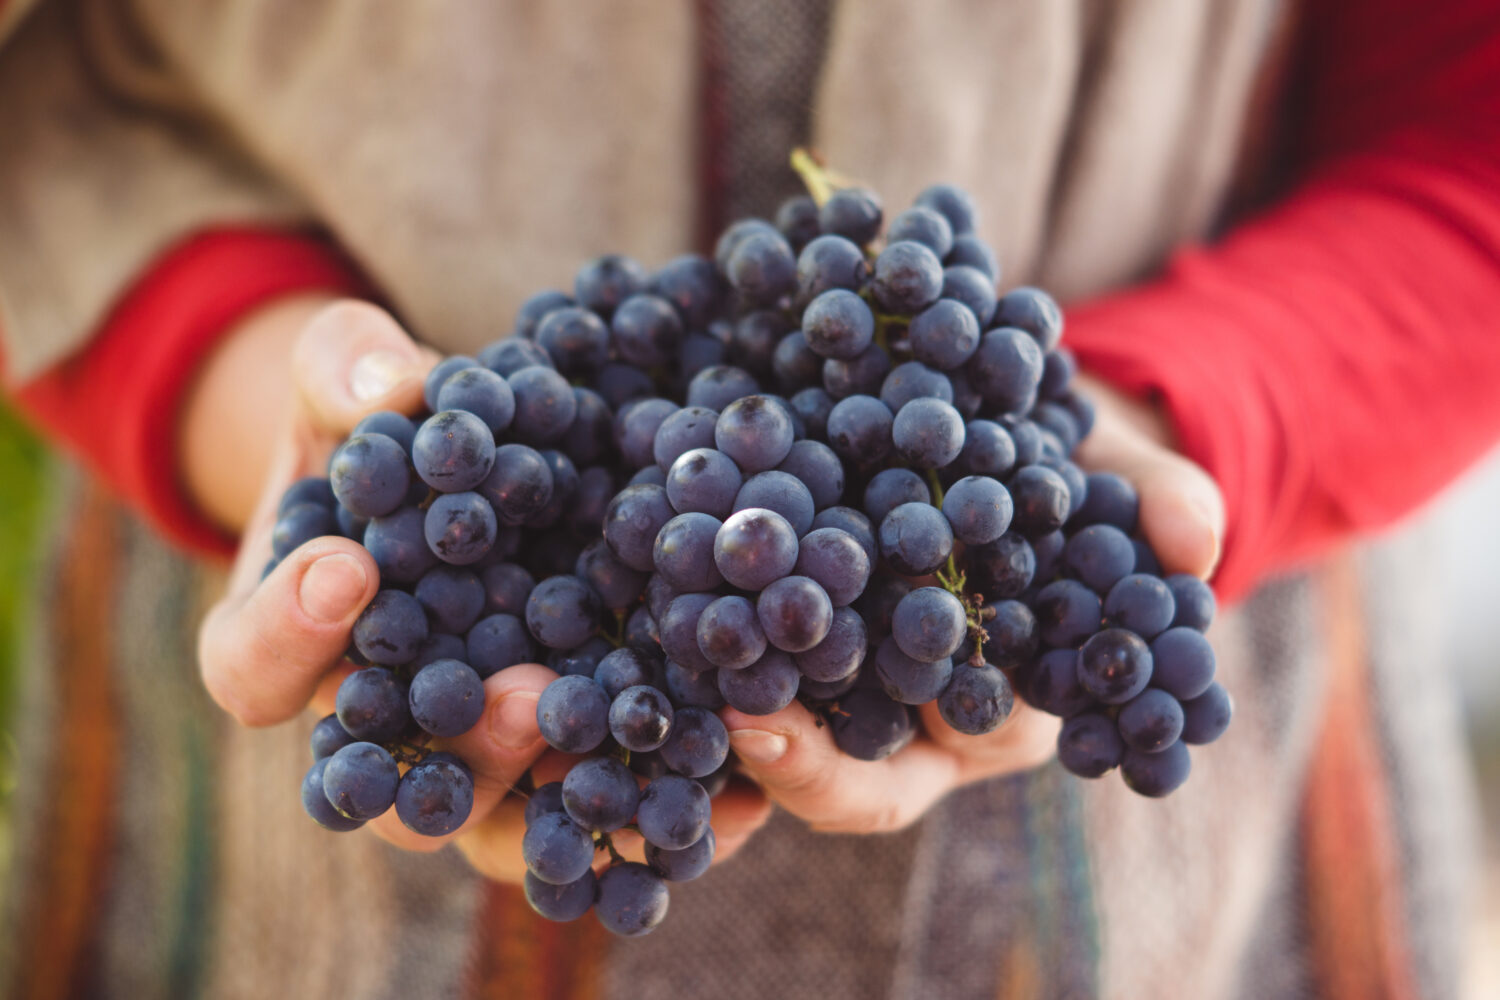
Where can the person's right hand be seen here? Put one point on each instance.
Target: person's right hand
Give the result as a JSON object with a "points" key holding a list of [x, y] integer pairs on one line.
{"points": [[271, 647]]}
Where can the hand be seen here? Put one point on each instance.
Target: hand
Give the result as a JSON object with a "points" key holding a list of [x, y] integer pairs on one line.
{"points": [[800, 768], [271, 647]]}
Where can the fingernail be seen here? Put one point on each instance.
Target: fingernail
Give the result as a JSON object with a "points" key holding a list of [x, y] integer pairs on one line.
{"points": [[514, 723], [758, 746], [332, 588], [377, 373], [1208, 514]]}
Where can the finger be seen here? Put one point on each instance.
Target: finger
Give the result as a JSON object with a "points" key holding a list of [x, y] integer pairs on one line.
{"points": [[1182, 511], [353, 359], [499, 749], [262, 653], [801, 769], [1026, 739]]}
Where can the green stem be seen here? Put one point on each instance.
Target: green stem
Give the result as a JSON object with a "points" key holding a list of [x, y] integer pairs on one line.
{"points": [[814, 177]]}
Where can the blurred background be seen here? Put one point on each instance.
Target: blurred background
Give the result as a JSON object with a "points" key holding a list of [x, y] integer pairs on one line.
{"points": [[1463, 522]]}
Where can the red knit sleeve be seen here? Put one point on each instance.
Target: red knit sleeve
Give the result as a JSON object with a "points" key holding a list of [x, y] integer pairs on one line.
{"points": [[1336, 361], [116, 404]]}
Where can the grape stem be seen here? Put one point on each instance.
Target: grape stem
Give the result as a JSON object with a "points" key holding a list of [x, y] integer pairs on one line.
{"points": [[604, 841], [616, 638], [815, 176]]}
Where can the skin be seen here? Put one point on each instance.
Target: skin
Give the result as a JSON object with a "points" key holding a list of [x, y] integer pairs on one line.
{"points": [[271, 649]]}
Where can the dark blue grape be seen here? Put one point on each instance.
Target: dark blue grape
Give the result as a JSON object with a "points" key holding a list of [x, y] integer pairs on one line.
{"points": [[605, 282], [596, 488], [1100, 555], [316, 490], [835, 560], [684, 865], [1025, 435], [1194, 601], [977, 699], [928, 434], [651, 475], [1089, 745], [753, 340], [878, 603], [496, 642], [635, 429], [928, 624], [1012, 634], [646, 331], [1206, 717], [1041, 498], [945, 334], [435, 796], [460, 528], [390, 628], [573, 714], [506, 357], [978, 508], [908, 680], [693, 286], [913, 380], [827, 263], [398, 544], [562, 903], [971, 251], [369, 475], [859, 430], [316, 803], [1156, 774], [619, 384], [545, 405], [1067, 612], [1054, 686], [703, 481], [754, 548], [870, 726], [860, 376], [852, 521], [853, 213], [1055, 418], [535, 308], [556, 850], [1114, 666], [813, 405], [797, 220], [682, 431], [1034, 311], [453, 451], [546, 799], [755, 432], [1151, 721], [762, 268], [698, 745], [1006, 370], [954, 204], [640, 630], [438, 646], [446, 698], [766, 686], [1142, 604], [1073, 477], [795, 613], [908, 278], [299, 524], [838, 324], [617, 584], [1183, 662], [890, 488], [717, 386], [452, 597], [840, 653], [701, 352], [915, 539], [1048, 549], [817, 468], [729, 633], [779, 492], [562, 612], [811, 690], [925, 226], [581, 660], [329, 736], [600, 794], [440, 374], [673, 812], [794, 364], [678, 628], [632, 521], [632, 900], [590, 437], [974, 289], [693, 689], [481, 392], [360, 781], [640, 718]]}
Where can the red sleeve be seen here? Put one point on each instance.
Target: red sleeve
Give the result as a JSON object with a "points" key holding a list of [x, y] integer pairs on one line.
{"points": [[1336, 361], [116, 404]]}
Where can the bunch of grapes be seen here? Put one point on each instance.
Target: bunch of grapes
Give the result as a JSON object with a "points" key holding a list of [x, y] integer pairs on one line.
{"points": [[826, 464]]}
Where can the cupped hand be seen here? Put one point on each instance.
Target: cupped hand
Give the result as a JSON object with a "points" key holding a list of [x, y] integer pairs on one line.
{"points": [[794, 758]]}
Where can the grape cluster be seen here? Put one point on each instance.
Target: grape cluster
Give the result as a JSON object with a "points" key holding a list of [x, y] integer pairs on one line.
{"points": [[824, 464]]}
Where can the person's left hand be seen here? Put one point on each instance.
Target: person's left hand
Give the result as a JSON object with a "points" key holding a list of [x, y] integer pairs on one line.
{"points": [[801, 769]]}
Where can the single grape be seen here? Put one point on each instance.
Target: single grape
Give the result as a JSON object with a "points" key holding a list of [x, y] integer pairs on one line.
{"points": [[561, 903], [616, 584], [922, 225], [496, 642], [562, 612], [316, 490], [1150, 721], [545, 405], [452, 597], [945, 334], [573, 714], [716, 386], [694, 689], [673, 812], [755, 432], [729, 633], [794, 364], [682, 431], [506, 357], [519, 483], [860, 376], [546, 799], [954, 204], [440, 374], [632, 900], [684, 552], [977, 699], [836, 561], [908, 680], [556, 850], [328, 737], [1156, 774], [1089, 745], [693, 286], [460, 528], [636, 426], [703, 481], [640, 718], [1206, 717], [826, 263], [1001, 569], [1193, 600], [368, 474], [698, 744], [754, 548], [1114, 666], [870, 726], [435, 796], [360, 781], [928, 624], [1012, 633], [818, 469], [766, 686], [1182, 663], [928, 433], [684, 865], [780, 492], [838, 324], [913, 380], [853, 213], [646, 331], [1007, 370], [971, 287], [481, 392], [446, 698], [624, 668], [1100, 556], [908, 278], [606, 281], [600, 794], [390, 628], [1034, 311], [398, 544], [632, 521], [762, 268], [970, 251], [840, 653], [678, 626], [301, 523], [316, 803], [813, 405], [795, 613], [915, 539], [1142, 604], [978, 508], [1054, 685]]}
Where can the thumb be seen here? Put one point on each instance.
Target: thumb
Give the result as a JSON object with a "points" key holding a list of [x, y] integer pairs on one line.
{"points": [[353, 359]]}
